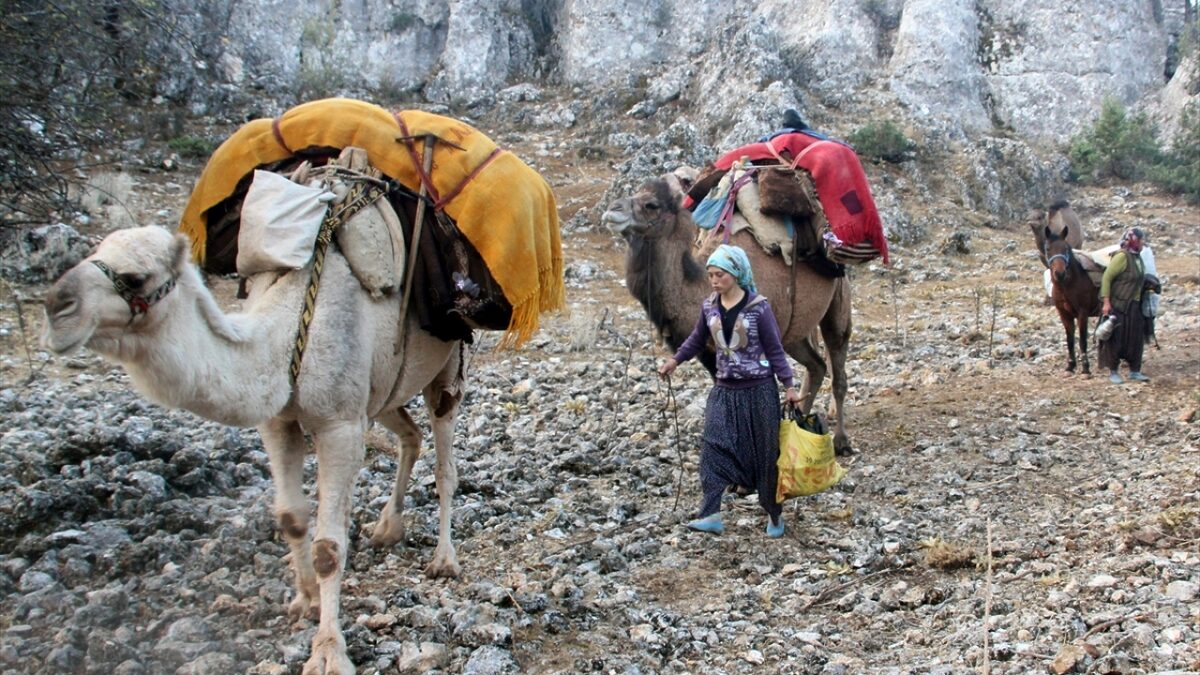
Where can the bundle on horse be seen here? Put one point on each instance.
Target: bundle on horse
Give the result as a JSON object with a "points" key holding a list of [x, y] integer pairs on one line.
{"points": [[1075, 295]]}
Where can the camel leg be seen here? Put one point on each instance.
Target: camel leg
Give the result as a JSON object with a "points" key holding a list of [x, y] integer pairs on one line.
{"points": [[806, 354], [442, 397], [340, 451], [286, 448], [836, 334], [390, 528]]}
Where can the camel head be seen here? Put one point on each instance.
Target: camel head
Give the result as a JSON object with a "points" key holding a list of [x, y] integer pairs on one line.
{"points": [[653, 211], [115, 290]]}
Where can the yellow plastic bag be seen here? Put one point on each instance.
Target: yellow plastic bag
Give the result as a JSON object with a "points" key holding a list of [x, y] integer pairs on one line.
{"points": [[806, 462]]}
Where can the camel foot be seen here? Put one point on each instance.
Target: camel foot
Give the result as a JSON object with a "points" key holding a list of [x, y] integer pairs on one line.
{"points": [[444, 565], [304, 606], [841, 445], [389, 531], [328, 657]]}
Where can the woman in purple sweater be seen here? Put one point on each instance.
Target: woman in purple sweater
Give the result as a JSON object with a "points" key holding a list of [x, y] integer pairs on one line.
{"points": [[740, 445]]}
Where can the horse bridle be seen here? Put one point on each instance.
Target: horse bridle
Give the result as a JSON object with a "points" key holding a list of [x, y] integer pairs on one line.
{"points": [[138, 304], [1066, 258]]}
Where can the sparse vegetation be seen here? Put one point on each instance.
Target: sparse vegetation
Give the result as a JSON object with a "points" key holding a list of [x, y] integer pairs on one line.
{"points": [[1126, 147], [1178, 170], [945, 555], [194, 147], [1116, 146], [71, 74], [882, 140]]}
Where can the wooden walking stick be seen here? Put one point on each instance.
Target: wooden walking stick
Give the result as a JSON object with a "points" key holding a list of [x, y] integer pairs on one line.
{"points": [[410, 266]]}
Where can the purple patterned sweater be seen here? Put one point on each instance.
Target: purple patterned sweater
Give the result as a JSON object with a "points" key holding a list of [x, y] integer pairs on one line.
{"points": [[754, 351]]}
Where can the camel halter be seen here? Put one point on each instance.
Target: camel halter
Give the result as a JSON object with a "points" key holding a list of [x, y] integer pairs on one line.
{"points": [[138, 304]]}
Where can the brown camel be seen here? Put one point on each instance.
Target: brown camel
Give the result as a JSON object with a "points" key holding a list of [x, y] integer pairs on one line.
{"points": [[666, 274], [1060, 219]]}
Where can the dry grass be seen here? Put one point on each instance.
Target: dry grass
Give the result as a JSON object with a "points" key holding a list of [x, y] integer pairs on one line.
{"points": [[943, 555]]}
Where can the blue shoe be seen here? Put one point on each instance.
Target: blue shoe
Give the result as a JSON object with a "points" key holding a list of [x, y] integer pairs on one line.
{"points": [[1115, 378], [1137, 376], [775, 530], [711, 524]]}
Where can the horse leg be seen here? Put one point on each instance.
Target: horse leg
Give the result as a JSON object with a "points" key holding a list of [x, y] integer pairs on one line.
{"points": [[390, 528], [340, 451], [442, 397], [1068, 323], [284, 442], [1083, 337]]}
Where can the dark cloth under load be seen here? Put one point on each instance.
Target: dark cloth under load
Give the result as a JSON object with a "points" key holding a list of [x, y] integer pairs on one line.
{"points": [[740, 444]]}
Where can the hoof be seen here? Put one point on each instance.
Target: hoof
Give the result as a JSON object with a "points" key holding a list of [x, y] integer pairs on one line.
{"points": [[843, 451]]}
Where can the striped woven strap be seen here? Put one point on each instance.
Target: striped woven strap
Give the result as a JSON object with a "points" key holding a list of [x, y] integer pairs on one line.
{"points": [[362, 194], [852, 254]]}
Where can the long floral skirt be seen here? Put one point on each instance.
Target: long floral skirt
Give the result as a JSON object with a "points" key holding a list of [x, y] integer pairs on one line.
{"points": [[740, 445]]}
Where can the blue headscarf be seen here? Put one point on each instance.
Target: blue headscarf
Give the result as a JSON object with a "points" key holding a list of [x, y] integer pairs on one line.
{"points": [[733, 259]]}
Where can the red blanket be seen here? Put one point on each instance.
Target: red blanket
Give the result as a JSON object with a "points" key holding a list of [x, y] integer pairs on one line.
{"points": [[839, 178]]}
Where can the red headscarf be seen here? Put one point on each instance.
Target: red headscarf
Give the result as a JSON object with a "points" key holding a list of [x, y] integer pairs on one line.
{"points": [[1132, 240]]}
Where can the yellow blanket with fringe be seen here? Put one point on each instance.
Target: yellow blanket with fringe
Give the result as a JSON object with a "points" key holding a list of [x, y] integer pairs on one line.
{"points": [[507, 211]]}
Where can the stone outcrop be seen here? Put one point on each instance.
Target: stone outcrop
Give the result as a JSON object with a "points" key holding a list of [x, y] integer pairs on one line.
{"points": [[960, 68]]}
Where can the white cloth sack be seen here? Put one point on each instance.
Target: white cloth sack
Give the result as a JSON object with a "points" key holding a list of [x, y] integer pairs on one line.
{"points": [[1148, 260], [280, 222]]}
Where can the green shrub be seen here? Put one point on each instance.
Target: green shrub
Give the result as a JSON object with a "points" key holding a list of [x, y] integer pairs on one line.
{"points": [[1116, 146], [1179, 169], [1127, 148], [883, 141], [192, 146]]}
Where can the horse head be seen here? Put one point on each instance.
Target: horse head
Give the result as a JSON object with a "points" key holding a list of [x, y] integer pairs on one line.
{"points": [[1058, 253]]}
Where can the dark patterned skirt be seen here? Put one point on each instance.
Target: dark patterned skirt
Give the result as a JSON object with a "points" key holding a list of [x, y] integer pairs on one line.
{"points": [[740, 444], [1128, 341]]}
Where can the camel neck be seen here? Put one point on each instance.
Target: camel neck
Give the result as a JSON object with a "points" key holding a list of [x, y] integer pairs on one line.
{"points": [[204, 368]]}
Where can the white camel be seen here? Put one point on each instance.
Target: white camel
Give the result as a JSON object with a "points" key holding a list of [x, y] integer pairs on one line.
{"points": [[140, 302]]}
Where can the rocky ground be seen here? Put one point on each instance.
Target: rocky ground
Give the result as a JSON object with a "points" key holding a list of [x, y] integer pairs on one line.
{"points": [[999, 516]]}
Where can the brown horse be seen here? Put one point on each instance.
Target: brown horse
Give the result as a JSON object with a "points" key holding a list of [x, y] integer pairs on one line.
{"points": [[1075, 296]]}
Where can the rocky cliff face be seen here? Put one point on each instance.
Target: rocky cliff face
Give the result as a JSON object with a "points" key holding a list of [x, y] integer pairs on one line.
{"points": [[994, 88], [959, 67]]}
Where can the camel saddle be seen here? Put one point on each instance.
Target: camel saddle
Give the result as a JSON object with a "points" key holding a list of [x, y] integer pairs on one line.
{"points": [[796, 235]]}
